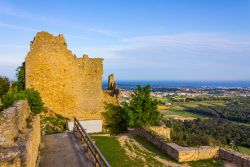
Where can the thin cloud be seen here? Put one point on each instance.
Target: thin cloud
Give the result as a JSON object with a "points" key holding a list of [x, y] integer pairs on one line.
{"points": [[105, 32], [18, 27]]}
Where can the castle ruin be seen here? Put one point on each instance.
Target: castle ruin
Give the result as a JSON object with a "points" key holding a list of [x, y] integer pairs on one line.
{"points": [[69, 86]]}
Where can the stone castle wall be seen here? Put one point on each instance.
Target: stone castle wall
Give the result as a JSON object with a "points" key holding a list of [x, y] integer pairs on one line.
{"points": [[19, 142], [69, 86]]}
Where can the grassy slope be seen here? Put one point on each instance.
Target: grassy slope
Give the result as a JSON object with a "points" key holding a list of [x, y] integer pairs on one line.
{"points": [[207, 163], [113, 152], [152, 148], [116, 155]]}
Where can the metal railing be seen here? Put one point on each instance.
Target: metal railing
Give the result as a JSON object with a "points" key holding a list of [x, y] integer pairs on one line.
{"points": [[99, 159]]}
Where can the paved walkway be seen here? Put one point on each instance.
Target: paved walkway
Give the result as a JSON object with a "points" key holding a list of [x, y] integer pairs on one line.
{"points": [[63, 150]]}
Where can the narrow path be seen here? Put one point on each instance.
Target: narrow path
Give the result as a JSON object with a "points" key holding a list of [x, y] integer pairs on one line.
{"points": [[63, 150]]}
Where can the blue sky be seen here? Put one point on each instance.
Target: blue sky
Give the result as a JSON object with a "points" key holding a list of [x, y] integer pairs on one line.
{"points": [[139, 39]]}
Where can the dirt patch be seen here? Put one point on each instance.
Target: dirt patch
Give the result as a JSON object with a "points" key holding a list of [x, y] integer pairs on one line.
{"points": [[148, 158]]}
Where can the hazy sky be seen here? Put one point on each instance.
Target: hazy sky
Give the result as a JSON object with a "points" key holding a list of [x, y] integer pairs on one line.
{"points": [[139, 39]]}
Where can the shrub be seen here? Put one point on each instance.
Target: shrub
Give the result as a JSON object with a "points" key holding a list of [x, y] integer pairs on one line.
{"points": [[141, 111], [33, 97], [9, 98], [20, 77], [4, 86], [52, 123], [115, 119], [35, 102]]}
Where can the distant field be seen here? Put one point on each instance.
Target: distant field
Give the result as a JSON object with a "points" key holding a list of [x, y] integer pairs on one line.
{"points": [[178, 109]]}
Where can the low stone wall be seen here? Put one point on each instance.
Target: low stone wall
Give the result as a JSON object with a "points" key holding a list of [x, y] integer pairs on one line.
{"points": [[241, 160], [162, 131], [197, 153], [177, 152], [19, 142]]}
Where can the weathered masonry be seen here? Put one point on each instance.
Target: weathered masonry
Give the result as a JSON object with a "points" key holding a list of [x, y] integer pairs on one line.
{"points": [[20, 136], [69, 86]]}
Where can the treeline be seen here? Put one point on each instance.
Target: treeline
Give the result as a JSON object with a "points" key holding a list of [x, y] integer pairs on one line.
{"points": [[234, 110], [209, 132]]}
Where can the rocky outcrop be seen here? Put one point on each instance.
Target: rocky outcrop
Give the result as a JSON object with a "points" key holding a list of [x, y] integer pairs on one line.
{"points": [[20, 136]]}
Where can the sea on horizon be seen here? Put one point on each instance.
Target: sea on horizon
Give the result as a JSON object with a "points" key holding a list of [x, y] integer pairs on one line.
{"points": [[181, 83]]}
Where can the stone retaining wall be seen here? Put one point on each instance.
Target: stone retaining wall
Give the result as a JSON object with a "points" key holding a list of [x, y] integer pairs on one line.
{"points": [[177, 152], [19, 142], [241, 160]]}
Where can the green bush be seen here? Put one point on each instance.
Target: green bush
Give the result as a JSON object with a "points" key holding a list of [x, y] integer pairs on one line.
{"points": [[35, 102], [9, 98], [140, 111], [20, 77], [33, 97], [4, 86], [116, 119]]}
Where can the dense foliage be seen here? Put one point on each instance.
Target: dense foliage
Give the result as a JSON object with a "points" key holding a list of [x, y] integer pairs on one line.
{"points": [[209, 132], [20, 83], [234, 110], [140, 111], [116, 119], [33, 97], [4, 86]]}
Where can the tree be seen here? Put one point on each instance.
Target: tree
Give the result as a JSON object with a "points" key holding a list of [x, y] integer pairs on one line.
{"points": [[20, 77], [142, 109], [4, 86]]}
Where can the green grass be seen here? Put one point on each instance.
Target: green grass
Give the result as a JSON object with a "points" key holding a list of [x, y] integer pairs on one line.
{"points": [[113, 151], [207, 163], [151, 147], [244, 150], [116, 154], [164, 100]]}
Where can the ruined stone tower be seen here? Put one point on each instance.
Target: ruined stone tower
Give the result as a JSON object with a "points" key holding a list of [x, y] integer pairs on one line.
{"points": [[69, 86], [111, 82]]}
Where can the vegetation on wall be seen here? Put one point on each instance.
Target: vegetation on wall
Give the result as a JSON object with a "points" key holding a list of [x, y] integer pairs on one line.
{"points": [[52, 123], [140, 111], [33, 97], [17, 92]]}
